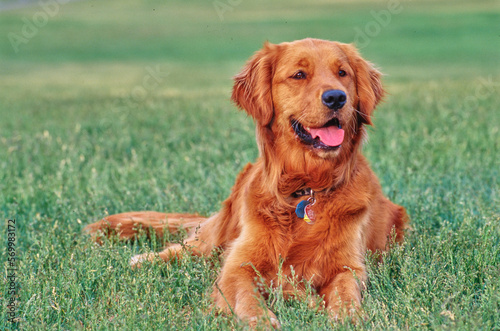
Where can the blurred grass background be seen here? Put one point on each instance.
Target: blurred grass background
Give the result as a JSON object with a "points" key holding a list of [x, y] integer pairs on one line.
{"points": [[124, 105]]}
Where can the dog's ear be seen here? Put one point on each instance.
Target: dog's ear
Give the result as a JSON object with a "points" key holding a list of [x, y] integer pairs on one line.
{"points": [[368, 83], [252, 86]]}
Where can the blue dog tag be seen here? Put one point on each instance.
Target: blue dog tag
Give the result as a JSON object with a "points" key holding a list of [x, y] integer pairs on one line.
{"points": [[300, 211]]}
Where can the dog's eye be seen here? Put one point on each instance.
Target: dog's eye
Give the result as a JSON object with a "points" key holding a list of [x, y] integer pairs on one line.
{"points": [[342, 73], [299, 75]]}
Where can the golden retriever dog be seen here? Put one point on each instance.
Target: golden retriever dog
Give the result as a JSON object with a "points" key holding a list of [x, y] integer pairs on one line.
{"points": [[310, 206]]}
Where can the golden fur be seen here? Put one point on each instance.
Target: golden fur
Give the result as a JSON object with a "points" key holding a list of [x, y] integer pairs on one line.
{"points": [[257, 227]]}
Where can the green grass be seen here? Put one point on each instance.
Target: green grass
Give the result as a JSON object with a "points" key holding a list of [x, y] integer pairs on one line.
{"points": [[82, 136]]}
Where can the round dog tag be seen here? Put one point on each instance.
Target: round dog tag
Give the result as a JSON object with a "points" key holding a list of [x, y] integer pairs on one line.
{"points": [[309, 215]]}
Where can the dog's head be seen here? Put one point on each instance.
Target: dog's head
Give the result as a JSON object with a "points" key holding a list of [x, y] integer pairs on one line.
{"points": [[309, 95]]}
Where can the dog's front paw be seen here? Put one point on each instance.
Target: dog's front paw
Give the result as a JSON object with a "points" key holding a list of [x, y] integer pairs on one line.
{"points": [[137, 260], [269, 321], [345, 312]]}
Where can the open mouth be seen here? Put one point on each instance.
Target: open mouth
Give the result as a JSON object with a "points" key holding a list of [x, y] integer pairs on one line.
{"points": [[329, 136]]}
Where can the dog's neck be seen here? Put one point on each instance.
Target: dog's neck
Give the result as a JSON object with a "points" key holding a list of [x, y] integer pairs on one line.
{"points": [[290, 170]]}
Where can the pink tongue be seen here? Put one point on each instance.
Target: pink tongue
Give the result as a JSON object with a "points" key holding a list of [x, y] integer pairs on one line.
{"points": [[331, 135]]}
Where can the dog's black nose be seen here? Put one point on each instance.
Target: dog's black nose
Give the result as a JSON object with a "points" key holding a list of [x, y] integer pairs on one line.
{"points": [[334, 99]]}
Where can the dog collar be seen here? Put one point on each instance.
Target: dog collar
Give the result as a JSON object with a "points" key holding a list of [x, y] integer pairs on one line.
{"points": [[304, 208], [303, 192]]}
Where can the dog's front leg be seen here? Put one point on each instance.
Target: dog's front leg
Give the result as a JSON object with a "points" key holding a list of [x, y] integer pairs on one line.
{"points": [[236, 291], [343, 294]]}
